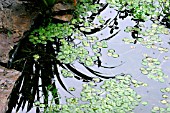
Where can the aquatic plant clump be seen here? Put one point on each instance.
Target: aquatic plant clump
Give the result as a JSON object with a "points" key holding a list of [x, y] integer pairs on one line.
{"points": [[164, 101], [68, 54], [142, 9], [66, 73], [111, 52], [148, 37], [115, 96], [157, 109], [84, 7], [49, 33], [152, 69]]}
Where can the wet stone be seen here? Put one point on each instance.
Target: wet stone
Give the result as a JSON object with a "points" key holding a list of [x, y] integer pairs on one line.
{"points": [[15, 18], [7, 81]]}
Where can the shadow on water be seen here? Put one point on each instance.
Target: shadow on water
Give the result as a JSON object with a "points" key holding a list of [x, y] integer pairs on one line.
{"points": [[35, 74]]}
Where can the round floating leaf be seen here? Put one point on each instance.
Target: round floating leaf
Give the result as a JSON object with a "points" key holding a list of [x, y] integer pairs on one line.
{"points": [[37, 103], [167, 89], [145, 72], [104, 44], [91, 83], [89, 63], [109, 54], [74, 21], [134, 81], [88, 30], [164, 101], [82, 28], [165, 96], [115, 55], [71, 89], [95, 50], [96, 80], [128, 29], [85, 43], [155, 108], [144, 103], [98, 54], [161, 80], [144, 63], [99, 44], [162, 90], [149, 69], [42, 105], [86, 24], [154, 25], [44, 42], [94, 58], [148, 46], [145, 85], [42, 37], [168, 109], [140, 39], [36, 57], [101, 21], [94, 46], [111, 51], [166, 57]]}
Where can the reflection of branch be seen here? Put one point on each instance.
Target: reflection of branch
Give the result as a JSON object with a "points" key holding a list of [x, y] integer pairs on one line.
{"points": [[92, 17], [110, 36], [59, 79], [78, 72], [113, 66], [99, 75]]}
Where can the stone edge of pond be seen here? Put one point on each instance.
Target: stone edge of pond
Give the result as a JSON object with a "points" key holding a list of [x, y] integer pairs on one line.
{"points": [[15, 19], [7, 81]]}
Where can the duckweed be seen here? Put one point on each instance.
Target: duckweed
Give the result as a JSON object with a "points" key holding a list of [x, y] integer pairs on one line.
{"points": [[111, 52], [36, 57], [141, 10], [150, 36], [52, 31], [67, 73], [157, 109], [144, 103], [115, 96], [71, 89], [165, 96], [152, 69]]}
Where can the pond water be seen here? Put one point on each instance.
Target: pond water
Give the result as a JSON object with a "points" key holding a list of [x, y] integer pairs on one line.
{"points": [[131, 56], [129, 61]]}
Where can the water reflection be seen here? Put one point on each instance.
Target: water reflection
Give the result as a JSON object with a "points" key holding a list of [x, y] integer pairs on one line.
{"points": [[38, 74]]}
